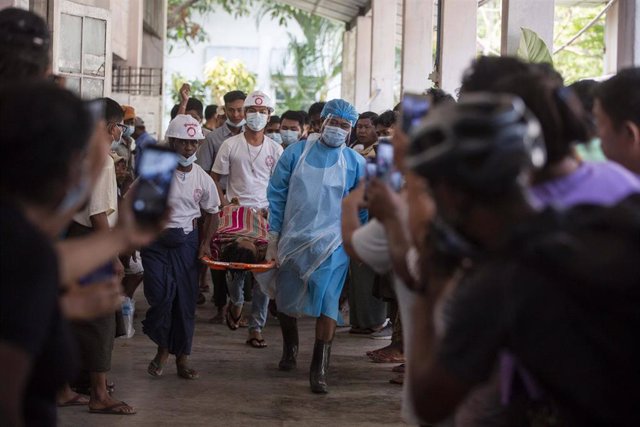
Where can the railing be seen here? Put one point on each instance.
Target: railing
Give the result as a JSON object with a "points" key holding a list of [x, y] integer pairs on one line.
{"points": [[137, 81]]}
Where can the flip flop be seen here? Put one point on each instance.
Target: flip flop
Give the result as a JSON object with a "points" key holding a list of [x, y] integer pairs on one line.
{"points": [[398, 369], [187, 373], [399, 380], [256, 343], [229, 319], [112, 410], [155, 369], [75, 401], [387, 358]]}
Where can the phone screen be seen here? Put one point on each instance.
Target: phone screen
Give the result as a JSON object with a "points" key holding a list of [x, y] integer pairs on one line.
{"points": [[414, 108], [156, 168], [384, 158]]}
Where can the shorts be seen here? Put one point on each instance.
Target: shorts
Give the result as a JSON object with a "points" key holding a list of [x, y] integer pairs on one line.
{"points": [[135, 267]]}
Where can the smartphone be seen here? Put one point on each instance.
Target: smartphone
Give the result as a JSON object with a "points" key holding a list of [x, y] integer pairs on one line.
{"points": [[384, 158], [371, 170], [96, 109], [151, 194], [414, 107], [99, 275]]}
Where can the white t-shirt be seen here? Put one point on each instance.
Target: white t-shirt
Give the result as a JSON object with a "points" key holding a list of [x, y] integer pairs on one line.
{"points": [[372, 246], [104, 197], [249, 169], [190, 192]]}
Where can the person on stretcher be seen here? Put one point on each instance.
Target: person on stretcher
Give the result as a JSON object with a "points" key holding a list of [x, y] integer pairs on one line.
{"points": [[242, 237]]}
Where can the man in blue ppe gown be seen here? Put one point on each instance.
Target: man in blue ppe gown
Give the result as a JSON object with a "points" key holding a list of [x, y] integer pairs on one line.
{"points": [[305, 198]]}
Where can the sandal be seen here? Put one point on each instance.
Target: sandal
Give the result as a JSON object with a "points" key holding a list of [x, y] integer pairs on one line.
{"points": [[256, 343], [399, 380], [398, 369], [155, 369], [113, 410], [77, 400], [187, 373], [232, 322]]}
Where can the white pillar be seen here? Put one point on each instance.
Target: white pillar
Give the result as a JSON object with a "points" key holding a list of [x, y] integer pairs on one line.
{"points": [[348, 79], [363, 63], [622, 36], [417, 45], [458, 41], [537, 15], [134, 39], [383, 53]]}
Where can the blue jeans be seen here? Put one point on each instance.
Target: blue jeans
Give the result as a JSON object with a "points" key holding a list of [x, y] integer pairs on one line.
{"points": [[259, 301]]}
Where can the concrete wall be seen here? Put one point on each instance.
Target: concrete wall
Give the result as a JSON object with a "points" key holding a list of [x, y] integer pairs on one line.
{"points": [[149, 108]]}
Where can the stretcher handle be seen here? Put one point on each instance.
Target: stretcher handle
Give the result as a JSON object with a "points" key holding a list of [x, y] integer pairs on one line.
{"points": [[221, 265]]}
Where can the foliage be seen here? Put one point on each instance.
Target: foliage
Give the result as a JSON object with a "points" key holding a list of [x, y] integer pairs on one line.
{"points": [[221, 76], [198, 88], [316, 59], [532, 48], [182, 28], [584, 57]]}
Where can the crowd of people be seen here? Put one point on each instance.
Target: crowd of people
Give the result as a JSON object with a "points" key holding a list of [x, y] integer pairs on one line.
{"points": [[494, 243]]}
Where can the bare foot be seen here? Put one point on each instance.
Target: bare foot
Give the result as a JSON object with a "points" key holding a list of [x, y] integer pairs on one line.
{"points": [[110, 405]]}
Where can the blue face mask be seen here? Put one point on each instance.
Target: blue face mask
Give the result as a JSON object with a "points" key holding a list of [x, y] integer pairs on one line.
{"points": [[275, 136], [184, 161], [257, 121], [129, 131], [289, 136], [334, 136], [236, 125]]}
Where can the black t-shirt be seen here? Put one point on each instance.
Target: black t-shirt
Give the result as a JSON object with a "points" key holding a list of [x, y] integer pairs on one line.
{"points": [[567, 304], [30, 316]]}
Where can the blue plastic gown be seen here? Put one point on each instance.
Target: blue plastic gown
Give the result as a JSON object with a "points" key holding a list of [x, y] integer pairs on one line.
{"points": [[305, 198]]}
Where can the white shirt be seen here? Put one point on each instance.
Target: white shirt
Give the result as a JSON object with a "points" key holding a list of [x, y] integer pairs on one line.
{"points": [[190, 192], [104, 197], [249, 169]]}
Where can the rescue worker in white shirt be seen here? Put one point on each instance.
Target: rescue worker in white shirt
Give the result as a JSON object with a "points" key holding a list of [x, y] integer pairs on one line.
{"points": [[248, 159], [171, 263]]}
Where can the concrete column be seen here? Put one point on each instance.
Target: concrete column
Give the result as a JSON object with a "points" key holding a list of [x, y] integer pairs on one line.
{"points": [[347, 84], [458, 41], [537, 15], [417, 45], [622, 36], [134, 40], [383, 53], [363, 63]]}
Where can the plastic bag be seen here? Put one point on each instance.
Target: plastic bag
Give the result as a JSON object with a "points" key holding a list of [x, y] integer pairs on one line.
{"points": [[128, 309]]}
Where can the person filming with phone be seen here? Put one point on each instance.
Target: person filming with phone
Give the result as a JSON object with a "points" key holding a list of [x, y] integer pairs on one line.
{"points": [[171, 263]]}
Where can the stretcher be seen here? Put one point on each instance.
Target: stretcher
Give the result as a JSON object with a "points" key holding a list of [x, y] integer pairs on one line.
{"points": [[221, 265]]}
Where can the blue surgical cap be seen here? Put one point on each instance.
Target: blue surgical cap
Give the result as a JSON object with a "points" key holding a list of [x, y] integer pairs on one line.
{"points": [[340, 108]]}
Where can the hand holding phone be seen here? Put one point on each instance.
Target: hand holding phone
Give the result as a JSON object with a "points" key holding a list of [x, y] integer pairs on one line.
{"points": [[151, 193], [414, 108]]}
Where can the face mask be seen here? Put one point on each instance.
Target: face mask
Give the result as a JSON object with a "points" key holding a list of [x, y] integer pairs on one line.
{"points": [[236, 125], [129, 131], [184, 161], [334, 136], [116, 142], [276, 137], [289, 136], [257, 121]]}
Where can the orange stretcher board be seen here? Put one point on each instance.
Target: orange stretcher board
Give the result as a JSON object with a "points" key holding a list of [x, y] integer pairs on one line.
{"points": [[220, 265]]}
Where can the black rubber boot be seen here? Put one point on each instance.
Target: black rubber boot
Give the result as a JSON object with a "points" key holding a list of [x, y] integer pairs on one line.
{"points": [[320, 366], [289, 327]]}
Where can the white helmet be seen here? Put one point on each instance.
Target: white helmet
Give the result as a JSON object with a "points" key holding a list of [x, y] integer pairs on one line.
{"points": [[184, 127], [259, 99]]}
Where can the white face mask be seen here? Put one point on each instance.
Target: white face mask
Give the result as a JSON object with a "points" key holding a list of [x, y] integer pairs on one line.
{"points": [[236, 125], [334, 136], [257, 121], [275, 136], [289, 136], [184, 161]]}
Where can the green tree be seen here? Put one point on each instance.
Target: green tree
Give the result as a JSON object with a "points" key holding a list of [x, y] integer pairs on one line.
{"points": [[317, 59], [223, 76], [198, 88]]}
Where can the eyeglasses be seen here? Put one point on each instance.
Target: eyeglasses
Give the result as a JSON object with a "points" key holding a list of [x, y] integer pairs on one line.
{"points": [[122, 128]]}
